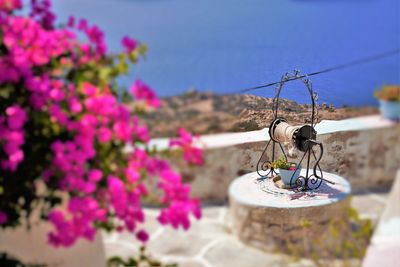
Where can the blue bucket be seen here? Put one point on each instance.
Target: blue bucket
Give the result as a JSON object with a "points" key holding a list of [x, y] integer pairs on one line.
{"points": [[390, 109], [286, 175]]}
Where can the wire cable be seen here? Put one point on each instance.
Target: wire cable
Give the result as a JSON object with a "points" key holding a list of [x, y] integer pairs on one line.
{"points": [[337, 67]]}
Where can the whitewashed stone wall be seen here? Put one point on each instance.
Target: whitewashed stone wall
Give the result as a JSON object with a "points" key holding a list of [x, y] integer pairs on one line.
{"points": [[365, 151]]}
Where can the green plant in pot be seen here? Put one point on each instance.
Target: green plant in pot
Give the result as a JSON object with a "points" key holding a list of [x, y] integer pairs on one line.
{"points": [[389, 100], [286, 170]]}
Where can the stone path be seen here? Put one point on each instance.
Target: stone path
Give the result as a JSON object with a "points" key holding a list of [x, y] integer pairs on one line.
{"points": [[370, 204], [209, 242], [384, 247]]}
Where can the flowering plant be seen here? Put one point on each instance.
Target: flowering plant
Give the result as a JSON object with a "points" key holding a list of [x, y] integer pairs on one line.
{"points": [[282, 163], [388, 93], [61, 125]]}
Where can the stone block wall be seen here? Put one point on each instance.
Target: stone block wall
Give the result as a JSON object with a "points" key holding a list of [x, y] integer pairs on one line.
{"points": [[367, 157]]}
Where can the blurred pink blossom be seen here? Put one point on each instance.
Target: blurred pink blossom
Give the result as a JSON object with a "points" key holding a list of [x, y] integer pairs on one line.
{"points": [[3, 218], [141, 91], [10, 5], [191, 154], [129, 44], [143, 236], [88, 116]]}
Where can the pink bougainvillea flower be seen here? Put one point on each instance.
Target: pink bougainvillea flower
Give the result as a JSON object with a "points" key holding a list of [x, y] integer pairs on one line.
{"points": [[58, 115], [96, 37], [126, 204], [75, 105], [177, 214], [3, 217], [95, 175], [10, 5], [191, 154], [140, 132], [71, 21], [177, 197], [143, 236], [88, 89], [41, 11], [123, 131], [12, 136], [16, 117], [82, 24], [104, 134], [79, 126], [85, 211], [132, 175], [142, 91], [184, 137], [129, 44]]}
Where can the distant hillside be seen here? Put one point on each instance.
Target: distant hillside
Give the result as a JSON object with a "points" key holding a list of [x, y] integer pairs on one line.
{"points": [[205, 113]]}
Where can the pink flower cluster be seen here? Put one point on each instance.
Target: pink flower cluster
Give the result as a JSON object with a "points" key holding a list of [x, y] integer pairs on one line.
{"points": [[83, 212], [3, 217], [29, 45], [103, 119], [12, 136], [129, 44], [142, 92], [10, 5], [177, 195], [41, 12], [191, 153], [36, 62], [126, 203], [96, 48], [123, 199]]}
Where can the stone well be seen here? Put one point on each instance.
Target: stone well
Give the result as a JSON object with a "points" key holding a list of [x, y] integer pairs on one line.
{"points": [[274, 219]]}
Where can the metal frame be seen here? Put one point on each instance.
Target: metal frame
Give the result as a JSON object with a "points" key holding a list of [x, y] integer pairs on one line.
{"points": [[312, 180]]}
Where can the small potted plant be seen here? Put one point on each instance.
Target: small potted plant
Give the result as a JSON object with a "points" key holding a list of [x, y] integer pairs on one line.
{"points": [[389, 99], [286, 170]]}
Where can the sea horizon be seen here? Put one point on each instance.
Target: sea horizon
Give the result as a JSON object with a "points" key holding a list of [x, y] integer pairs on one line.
{"points": [[226, 46]]}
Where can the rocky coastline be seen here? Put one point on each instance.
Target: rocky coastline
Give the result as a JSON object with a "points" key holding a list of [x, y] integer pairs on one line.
{"points": [[207, 112]]}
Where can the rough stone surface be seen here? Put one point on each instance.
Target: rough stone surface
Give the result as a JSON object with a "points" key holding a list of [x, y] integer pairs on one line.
{"points": [[188, 263], [186, 243], [120, 249], [367, 158], [370, 204], [229, 252], [274, 222], [212, 212]]}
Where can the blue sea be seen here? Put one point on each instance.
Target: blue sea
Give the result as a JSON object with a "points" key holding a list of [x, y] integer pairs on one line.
{"points": [[228, 45]]}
